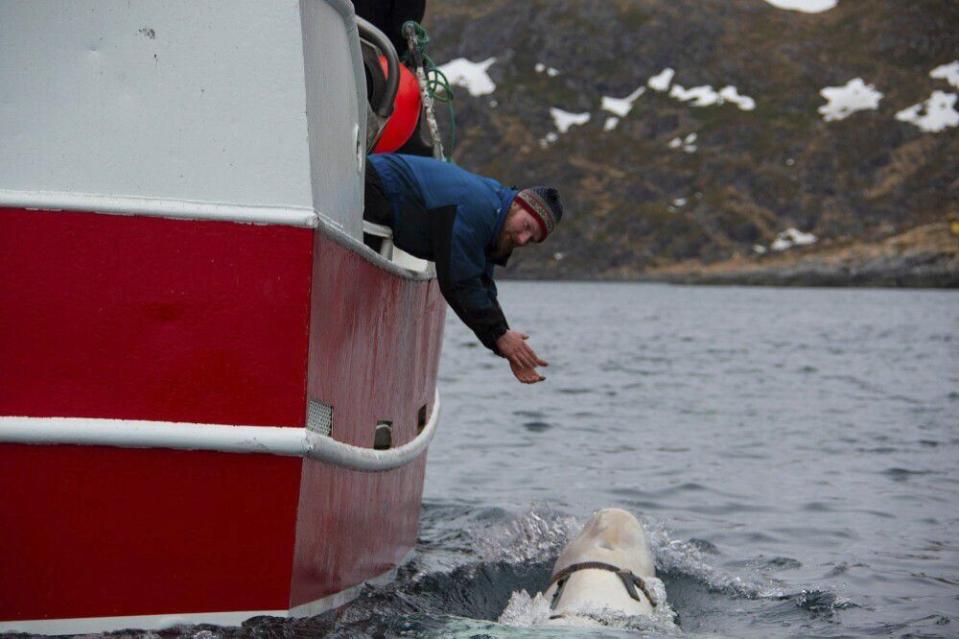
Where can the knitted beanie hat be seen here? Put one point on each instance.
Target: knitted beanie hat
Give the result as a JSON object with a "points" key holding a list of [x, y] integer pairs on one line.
{"points": [[544, 204]]}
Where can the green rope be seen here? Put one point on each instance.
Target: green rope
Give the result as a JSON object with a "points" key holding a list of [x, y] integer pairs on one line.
{"points": [[437, 85]]}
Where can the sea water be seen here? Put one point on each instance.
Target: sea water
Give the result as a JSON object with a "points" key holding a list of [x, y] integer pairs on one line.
{"points": [[792, 453]]}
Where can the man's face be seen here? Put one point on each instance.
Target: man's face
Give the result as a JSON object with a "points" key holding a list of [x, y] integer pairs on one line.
{"points": [[519, 229]]}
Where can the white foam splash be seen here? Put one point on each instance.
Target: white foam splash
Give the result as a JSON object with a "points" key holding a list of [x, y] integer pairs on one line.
{"points": [[948, 72], [564, 119], [805, 6], [660, 82], [674, 555], [610, 123], [537, 535], [524, 610], [843, 101], [792, 237], [934, 115], [472, 75]]}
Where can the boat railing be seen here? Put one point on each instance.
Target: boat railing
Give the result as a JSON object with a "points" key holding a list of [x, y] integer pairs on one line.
{"points": [[264, 440], [388, 250]]}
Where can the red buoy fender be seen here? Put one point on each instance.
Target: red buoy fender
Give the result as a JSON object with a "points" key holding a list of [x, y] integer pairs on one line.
{"points": [[406, 112]]}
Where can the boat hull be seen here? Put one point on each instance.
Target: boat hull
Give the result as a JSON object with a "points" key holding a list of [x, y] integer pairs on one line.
{"points": [[202, 323]]}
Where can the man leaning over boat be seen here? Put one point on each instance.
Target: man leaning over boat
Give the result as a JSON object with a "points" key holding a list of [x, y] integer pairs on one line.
{"points": [[466, 224]]}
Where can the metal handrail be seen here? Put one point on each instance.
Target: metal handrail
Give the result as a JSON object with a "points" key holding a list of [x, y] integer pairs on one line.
{"points": [[378, 39], [265, 440]]}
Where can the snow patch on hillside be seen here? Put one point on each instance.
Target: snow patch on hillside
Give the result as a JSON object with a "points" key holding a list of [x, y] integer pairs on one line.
{"points": [[701, 96], [805, 6], [792, 237], [843, 101], [934, 115], [660, 81], [550, 71], [620, 107], [744, 102], [565, 119], [704, 96], [698, 96], [687, 144], [948, 72], [472, 75]]}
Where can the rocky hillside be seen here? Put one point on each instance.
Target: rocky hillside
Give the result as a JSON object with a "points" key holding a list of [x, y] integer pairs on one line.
{"points": [[670, 182]]}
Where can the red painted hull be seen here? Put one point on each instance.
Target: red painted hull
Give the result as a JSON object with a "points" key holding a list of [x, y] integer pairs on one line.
{"points": [[204, 322]]}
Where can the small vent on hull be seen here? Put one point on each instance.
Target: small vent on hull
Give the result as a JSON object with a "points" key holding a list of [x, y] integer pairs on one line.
{"points": [[319, 419], [421, 419], [383, 436]]}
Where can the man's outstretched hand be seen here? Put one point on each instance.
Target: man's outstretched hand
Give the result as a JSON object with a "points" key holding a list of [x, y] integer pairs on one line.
{"points": [[522, 359]]}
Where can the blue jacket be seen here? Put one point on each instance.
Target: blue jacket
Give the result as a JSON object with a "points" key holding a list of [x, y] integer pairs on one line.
{"points": [[452, 217]]}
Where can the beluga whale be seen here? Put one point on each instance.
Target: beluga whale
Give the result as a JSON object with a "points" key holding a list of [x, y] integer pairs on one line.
{"points": [[605, 575]]}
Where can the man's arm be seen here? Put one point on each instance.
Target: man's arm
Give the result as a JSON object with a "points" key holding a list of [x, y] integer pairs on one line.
{"points": [[466, 281], [474, 302], [470, 299]]}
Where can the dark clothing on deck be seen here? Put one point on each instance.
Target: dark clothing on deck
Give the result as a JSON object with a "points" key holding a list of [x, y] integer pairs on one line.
{"points": [[445, 214], [389, 15]]}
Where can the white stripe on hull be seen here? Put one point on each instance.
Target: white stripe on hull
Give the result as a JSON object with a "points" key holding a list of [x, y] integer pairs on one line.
{"points": [[268, 440], [152, 207]]}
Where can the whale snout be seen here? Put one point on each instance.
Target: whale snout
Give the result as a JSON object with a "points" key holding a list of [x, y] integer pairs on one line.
{"points": [[616, 529]]}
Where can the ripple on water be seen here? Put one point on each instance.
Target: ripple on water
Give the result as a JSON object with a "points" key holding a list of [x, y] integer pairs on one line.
{"points": [[728, 508], [704, 545], [782, 563], [818, 507], [537, 427], [584, 414], [685, 487], [879, 450], [532, 414], [574, 391], [904, 474], [628, 492]]}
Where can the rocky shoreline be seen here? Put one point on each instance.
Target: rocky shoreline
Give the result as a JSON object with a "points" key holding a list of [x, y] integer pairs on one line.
{"points": [[924, 257]]}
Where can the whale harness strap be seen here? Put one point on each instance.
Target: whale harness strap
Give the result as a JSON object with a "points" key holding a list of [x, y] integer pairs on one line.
{"points": [[630, 581]]}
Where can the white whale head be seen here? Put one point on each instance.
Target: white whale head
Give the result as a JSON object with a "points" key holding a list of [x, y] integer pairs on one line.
{"points": [[613, 538]]}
